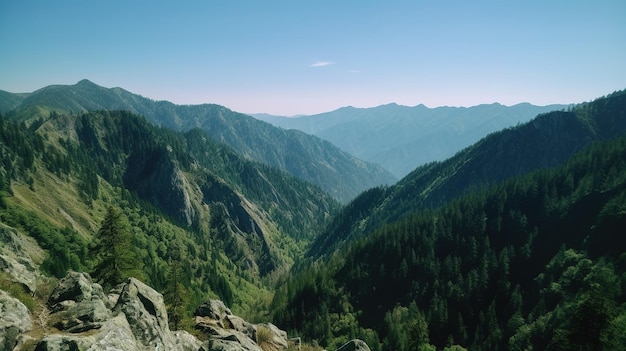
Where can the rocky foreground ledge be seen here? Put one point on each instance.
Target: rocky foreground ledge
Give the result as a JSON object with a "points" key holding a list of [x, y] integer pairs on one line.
{"points": [[132, 317]]}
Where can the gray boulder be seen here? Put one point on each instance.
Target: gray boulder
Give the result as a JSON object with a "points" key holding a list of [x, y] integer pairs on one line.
{"points": [[235, 339], [116, 334], [75, 287], [14, 320], [146, 313], [276, 339], [231, 344], [59, 342], [138, 320], [213, 309], [78, 304], [185, 341], [227, 331], [83, 316], [354, 345]]}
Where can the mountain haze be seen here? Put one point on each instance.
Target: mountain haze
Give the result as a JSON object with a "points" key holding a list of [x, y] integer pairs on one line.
{"points": [[307, 157], [401, 138], [545, 141]]}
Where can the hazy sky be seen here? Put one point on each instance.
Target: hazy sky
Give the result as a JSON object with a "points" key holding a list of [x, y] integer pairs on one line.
{"points": [[304, 57]]}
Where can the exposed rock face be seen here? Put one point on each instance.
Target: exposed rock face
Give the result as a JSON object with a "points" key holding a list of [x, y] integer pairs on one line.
{"points": [[213, 309], [115, 335], [138, 321], [146, 314], [15, 259], [229, 332], [14, 320], [354, 345], [78, 303], [278, 338], [76, 287], [159, 171], [225, 330], [242, 219]]}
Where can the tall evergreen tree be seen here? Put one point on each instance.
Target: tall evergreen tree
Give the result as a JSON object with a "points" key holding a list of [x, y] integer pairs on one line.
{"points": [[115, 254], [175, 294]]}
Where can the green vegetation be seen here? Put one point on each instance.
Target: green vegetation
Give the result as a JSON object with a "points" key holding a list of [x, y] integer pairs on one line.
{"points": [[61, 174], [176, 294], [114, 253], [18, 291], [535, 262], [300, 155], [547, 141], [515, 243]]}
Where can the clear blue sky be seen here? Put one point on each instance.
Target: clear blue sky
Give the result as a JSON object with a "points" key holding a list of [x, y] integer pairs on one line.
{"points": [[303, 57]]}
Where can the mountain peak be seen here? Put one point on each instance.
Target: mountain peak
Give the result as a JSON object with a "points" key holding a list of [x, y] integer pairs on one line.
{"points": [[85, 82]]}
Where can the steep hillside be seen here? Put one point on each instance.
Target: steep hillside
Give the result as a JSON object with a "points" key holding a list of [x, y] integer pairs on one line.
{"points": [[546, 141], [9, 101], [310, 158], [401, 138], [231, 220], [537, 262]]}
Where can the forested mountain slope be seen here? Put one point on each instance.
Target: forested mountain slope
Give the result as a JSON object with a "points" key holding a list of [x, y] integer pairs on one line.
{"points": [[307, 157], [230, 220], [535, 262], [401, 138], [546, 141]]}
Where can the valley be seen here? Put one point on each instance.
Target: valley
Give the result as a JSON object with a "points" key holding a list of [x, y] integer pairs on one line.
{"points": [[511, 239]]}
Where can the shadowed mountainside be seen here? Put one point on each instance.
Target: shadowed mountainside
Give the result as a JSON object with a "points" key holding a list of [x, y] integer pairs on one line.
{"points": [[307, 157]]}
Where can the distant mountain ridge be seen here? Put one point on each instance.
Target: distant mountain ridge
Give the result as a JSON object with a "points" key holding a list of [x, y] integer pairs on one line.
{"points": [[545, 141], [307, 157], [515, 243], [401, 138]]}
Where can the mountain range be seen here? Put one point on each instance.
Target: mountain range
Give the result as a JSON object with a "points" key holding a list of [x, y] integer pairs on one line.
{"points": [[515, 242], [401, 138], [307, 157], [546, 141]]}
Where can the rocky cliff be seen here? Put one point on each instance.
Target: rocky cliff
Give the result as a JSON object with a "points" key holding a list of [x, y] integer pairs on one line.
{"points": [[80, 315]]}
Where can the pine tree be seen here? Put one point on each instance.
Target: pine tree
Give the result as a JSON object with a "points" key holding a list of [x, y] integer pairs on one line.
{"points": [[175, 294], [115, 254]]}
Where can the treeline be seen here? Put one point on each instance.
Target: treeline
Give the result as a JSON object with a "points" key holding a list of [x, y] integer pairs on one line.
{"points": [[536, 262]]}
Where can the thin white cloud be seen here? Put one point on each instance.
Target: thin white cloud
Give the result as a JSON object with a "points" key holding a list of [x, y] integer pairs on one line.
{"points": [[322, 64]]}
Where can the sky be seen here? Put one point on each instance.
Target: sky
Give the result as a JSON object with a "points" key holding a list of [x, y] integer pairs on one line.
{"points": [[306, 57]]}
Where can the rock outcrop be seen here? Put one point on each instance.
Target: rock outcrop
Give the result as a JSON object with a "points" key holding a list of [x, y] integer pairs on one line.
{"points": [[137, 320], [146, 313], [78, 304], [354, 345], [15, 258], [132, 316], [226, 331], [14, 320]]}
